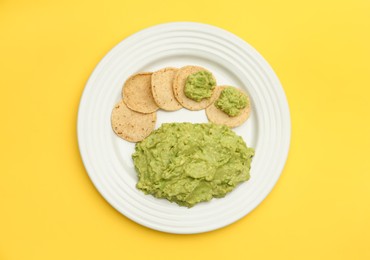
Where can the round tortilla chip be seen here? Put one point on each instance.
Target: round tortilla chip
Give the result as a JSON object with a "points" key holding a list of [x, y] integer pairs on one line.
{"points": [[162, 89], [179, 85], [131, 125], [137, 93], [218, 116]]}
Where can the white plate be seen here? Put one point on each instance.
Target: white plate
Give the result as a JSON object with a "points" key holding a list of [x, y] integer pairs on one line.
{"points": [[107, 158]]}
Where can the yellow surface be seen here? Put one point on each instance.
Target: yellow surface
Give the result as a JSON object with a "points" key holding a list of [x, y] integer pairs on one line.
{"points": [[320, 208]]}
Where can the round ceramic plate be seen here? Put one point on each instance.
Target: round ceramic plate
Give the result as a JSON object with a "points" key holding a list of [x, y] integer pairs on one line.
{"points": [[107, 158]]}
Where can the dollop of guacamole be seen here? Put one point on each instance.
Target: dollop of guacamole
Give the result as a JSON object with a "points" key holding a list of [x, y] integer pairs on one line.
{"points": [[199, 85], [231, 101], [190, 163]]}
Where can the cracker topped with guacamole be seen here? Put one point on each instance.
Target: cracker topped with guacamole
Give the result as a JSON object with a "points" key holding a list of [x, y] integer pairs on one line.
{"points": [[231, 108], [231, 101], [200, 85], [190, 163], [193, 87]]}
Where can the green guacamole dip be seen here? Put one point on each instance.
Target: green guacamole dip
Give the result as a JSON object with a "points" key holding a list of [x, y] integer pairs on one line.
{"points": [[231, 101], [190, 163], [199, 85]]}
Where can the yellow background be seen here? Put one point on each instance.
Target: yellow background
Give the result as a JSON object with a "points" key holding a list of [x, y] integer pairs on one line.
{"points": [[320, 207]]}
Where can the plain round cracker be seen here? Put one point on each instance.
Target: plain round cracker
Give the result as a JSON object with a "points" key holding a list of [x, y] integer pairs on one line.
{"points": [[137, 93], [131, 125], [162, 91], [219, 117], [179, 85]]}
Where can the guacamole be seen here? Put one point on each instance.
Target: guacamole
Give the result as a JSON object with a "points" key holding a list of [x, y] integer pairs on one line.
{"points": [[231, 101], [199, 85], [190, 163]]}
